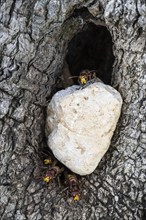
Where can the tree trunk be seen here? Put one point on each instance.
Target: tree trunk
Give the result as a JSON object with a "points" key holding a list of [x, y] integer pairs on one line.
{"points": [[34, 37]]}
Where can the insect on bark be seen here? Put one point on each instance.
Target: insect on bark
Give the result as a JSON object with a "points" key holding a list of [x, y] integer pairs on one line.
{"points": [[74, 189], [85, 76]]}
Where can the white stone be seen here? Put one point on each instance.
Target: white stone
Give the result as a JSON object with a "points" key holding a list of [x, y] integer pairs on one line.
{"points": [[80, 125]]}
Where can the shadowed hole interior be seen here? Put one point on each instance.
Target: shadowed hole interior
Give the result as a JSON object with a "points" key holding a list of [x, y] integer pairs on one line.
{"points": [[91, 49]]}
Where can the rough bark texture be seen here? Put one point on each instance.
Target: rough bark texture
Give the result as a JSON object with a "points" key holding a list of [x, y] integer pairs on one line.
{"points": [[34, 36]]}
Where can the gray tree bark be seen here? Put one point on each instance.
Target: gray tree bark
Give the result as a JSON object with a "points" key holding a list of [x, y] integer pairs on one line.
{"points": [[34, 36]]}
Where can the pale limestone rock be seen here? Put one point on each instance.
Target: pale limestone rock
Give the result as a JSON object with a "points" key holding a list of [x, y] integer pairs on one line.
{"points": [[80, 125]]}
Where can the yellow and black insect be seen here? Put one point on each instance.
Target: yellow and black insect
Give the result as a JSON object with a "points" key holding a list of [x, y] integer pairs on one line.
{"points": [[52, 169], [48, 161], [52, 172], [85, 76], [74, 189]]}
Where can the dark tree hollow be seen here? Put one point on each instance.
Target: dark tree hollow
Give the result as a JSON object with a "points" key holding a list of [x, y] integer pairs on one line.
{"points": [[92, 49]]}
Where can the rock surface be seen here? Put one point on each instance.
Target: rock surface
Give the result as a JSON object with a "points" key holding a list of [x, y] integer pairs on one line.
{"points": [[80, 125]]}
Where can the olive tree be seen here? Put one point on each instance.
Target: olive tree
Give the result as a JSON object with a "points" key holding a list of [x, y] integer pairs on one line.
{"points": [[37, 38]]}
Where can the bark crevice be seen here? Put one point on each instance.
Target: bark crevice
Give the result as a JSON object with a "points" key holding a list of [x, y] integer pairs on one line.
{"points": [[91, 49]]}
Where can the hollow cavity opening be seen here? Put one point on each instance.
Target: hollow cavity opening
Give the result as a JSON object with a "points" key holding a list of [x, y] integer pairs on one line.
{"points": [[91, 49]]}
